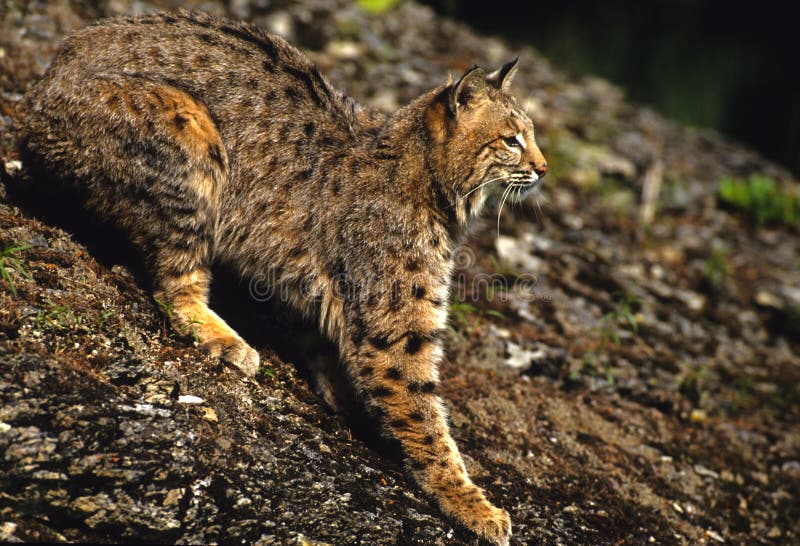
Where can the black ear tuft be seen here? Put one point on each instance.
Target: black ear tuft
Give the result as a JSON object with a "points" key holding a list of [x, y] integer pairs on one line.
{"points": [[502, 77], [471, 85]]}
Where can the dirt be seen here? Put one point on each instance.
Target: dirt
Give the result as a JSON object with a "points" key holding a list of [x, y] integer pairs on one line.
{"points": [[612, 377]]}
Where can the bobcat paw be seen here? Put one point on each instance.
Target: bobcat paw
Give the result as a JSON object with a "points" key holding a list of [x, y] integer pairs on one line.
{"points": [[490, 523], [234, 350], [494, 526]]}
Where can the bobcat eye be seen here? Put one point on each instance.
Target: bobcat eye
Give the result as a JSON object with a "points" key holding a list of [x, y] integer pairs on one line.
{"points": [[514, 141]]}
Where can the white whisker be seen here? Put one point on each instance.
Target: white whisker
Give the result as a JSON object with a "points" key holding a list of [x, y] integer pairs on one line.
{"points": [[500, 210], [539, 207], [536, 212], [480, 186]]}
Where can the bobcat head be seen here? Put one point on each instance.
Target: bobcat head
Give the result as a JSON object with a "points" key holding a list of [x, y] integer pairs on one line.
{"points": [[483, 145]]}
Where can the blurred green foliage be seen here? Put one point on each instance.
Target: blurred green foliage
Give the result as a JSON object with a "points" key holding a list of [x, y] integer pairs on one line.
{"points": [[763, 199], [378, 6]]}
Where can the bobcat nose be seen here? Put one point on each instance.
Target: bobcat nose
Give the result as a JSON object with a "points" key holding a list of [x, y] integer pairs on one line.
{"points": [[540, 170]]}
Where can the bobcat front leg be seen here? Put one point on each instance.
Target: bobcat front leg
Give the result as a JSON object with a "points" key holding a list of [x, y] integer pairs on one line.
{"points": [[395, 370]]}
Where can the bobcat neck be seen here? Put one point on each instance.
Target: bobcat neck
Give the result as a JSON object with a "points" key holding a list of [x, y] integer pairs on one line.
{"points": [[403, 156]]}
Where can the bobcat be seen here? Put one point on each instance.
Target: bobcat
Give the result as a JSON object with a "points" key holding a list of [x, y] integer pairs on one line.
{"points": [[207, 140]]}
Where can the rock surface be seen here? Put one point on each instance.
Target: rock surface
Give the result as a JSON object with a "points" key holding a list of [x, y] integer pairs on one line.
{"points": [[609, 382]]}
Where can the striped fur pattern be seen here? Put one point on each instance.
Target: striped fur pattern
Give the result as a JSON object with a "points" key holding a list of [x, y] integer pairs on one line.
{"points": [[211, 141]]}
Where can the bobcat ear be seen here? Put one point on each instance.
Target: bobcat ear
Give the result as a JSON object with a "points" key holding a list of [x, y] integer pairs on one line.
{"points": [[502, 77], [471, 85]]}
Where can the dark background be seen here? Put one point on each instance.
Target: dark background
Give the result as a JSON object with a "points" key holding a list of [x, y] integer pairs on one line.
{"points": [[728, 65]]}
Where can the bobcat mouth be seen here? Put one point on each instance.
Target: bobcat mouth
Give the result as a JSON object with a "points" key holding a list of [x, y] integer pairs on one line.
{"points": [[523, 185], [515, 187]]}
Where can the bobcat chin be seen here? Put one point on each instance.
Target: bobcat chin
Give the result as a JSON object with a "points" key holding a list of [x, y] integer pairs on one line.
{"points": [[211, 141]]}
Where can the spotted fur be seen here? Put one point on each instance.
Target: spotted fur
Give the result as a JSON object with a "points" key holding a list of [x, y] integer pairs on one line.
{"points": [[211, 141]]}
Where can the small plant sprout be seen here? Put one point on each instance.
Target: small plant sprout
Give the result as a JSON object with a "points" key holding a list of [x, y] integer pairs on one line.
{"points": [[104, 319], [9, 259], [609, 333], [467, 316], [167, 307], [193, 323], [716, 267], [58, 316], [463, 314]]}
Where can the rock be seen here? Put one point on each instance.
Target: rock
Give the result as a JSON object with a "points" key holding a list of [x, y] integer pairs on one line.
{"points": [[7, 529], [92, 504], [210, 415], [516, 254], [154, 447], [189, 399], [345, 49], [694, 302], [791, 468], [698, 416], [519, 358], [705, 472], [767, 299]]}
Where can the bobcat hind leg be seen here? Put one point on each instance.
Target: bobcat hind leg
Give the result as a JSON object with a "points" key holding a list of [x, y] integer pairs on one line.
{"points": [[161, 168], [149, 158], [181, 270]]}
